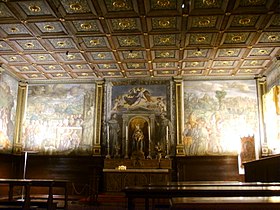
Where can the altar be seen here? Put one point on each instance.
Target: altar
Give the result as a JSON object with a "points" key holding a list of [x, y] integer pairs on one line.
{"points": [[121, 173], [140, 146]]}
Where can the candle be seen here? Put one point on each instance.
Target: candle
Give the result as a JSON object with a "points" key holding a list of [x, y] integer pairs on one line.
{"points": [[149, 133], [126, 132], [166, 133], [108, 132]]}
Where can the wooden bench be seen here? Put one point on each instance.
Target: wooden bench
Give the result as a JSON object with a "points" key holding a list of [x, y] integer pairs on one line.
{"points": [[14, 207], [228, 203], [6, 204], [33, 203], [206, 189], [26, 184], [7, 207]]}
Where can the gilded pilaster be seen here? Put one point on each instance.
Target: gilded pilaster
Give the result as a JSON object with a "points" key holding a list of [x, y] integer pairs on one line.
{"points": [[179, 116], [96, 150], [20, 112]]}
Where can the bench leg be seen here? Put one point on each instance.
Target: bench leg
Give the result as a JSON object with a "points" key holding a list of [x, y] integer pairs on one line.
{"points": [[147, 205], [50, 199]]}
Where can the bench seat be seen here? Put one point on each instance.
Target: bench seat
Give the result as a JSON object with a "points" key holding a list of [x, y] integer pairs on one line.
{"points": [[228, 203], [8, 207], [33, 203], [15, 205]]}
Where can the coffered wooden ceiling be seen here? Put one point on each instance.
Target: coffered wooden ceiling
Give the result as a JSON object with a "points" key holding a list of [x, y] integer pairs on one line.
{"points": [[95, 39]]}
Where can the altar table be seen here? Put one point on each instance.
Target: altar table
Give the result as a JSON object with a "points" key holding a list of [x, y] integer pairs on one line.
{"points": [[117, 180]]}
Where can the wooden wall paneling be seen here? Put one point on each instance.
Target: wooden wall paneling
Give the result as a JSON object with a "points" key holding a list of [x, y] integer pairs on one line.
{"points": [[84, 173], [208, 168], [9, 168]]}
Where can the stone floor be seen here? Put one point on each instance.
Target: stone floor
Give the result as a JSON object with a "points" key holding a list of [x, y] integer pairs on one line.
{"points": [[114, 202]]}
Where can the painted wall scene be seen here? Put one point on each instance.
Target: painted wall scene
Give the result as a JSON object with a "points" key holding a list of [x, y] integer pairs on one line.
{"points": [[272, 119], [139, 97], [139, 122], [8, 96], [218, 115], [59, 119]]}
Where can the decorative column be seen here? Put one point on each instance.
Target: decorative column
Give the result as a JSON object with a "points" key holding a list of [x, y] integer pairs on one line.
{"points": [[98, 113], [179, 115], [21, 106]]}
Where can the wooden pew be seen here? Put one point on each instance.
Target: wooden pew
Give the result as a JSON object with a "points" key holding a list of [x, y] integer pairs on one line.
{"points": [[52, 184], [199, 189], [228, 203], [14, 207], [26, 184]]}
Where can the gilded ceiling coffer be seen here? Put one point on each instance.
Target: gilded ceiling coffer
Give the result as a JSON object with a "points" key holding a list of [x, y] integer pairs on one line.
{"points": [[34, 8], [155, 29], [75, 6], [119, 4], [163, 3]]}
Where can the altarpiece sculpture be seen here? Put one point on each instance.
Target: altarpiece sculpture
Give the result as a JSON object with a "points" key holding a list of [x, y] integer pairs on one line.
{"points": [[137, 124]]}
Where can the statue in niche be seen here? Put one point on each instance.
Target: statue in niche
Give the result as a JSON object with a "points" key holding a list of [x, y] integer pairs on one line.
{"points": [[138, 145], [114, 130], [138, 139]]}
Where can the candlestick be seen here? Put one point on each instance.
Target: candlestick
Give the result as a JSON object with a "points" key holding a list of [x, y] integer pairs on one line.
{"points": [[108, 132]]}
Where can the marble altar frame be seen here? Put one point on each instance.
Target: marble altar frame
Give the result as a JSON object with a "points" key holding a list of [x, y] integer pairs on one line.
{"points": [[113, 92]]}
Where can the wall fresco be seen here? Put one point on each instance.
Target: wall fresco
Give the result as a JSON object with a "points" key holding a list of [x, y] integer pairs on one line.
{"points": [[271, 103], [59, 119], [8, 95], [147, 97], [217, 114]]}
